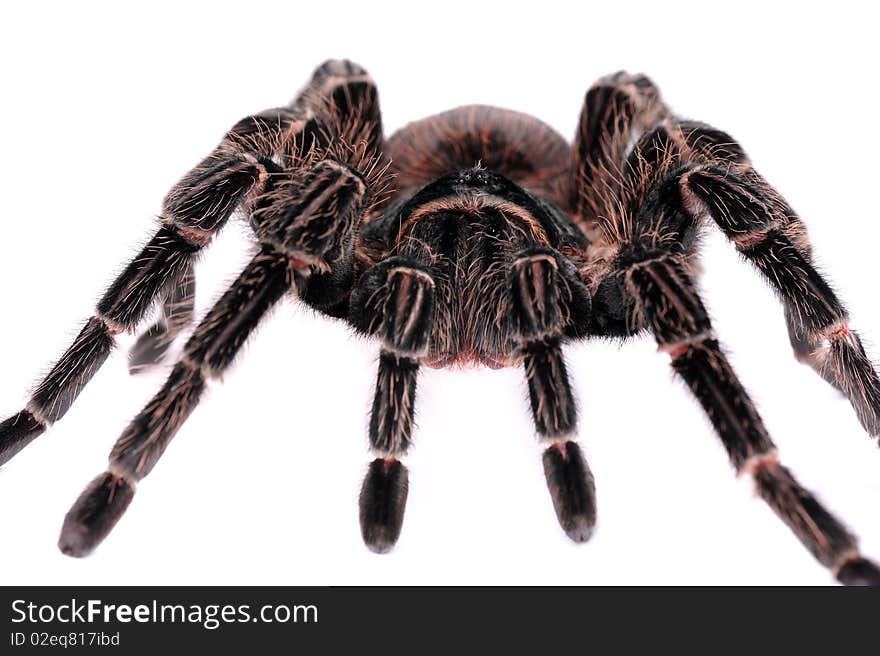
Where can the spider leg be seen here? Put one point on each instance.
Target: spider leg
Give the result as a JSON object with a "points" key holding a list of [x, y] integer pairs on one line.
{"points": [[176, 314], [617, 109], [193, 211], [303, 219], [667, 297], [395, 301], [714, 145], [538, 314], [769, 234], [207, 354]]}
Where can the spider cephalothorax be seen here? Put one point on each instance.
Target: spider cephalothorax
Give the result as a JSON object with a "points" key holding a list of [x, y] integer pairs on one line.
{"points": [[477, 236]]}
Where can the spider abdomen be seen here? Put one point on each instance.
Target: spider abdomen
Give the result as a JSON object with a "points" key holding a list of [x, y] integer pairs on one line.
{"points": [[518, 146]]}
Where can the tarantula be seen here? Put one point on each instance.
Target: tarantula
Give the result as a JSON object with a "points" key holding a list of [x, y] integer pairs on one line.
{"points": [[476, 236]]}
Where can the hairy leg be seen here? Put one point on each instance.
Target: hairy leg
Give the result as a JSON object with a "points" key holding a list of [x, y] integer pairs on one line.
{"points": [[207, 354], [617, 110], [175, 316], [768, 234], [682, 173], [718, 181], [677, 174], [666, 295]]}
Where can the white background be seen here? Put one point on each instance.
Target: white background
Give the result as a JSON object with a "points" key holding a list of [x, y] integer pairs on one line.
{"points": [[105, 106]]}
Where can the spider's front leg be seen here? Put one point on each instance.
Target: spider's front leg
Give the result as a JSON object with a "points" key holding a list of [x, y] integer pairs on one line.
{"points": [[194, 210]]}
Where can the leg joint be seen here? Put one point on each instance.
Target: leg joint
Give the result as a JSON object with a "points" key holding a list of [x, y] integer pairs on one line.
{"points": [[679, 347]]}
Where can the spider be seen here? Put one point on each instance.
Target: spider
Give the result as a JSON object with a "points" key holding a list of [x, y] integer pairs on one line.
{"points": [[478, 236]]}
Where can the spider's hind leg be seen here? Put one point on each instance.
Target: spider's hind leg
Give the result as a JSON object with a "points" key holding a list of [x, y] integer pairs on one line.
{"points": [[394, 301], [543, 299]]}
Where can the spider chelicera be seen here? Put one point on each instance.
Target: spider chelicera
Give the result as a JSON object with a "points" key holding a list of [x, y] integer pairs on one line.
{"points": [[476, 236]]}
